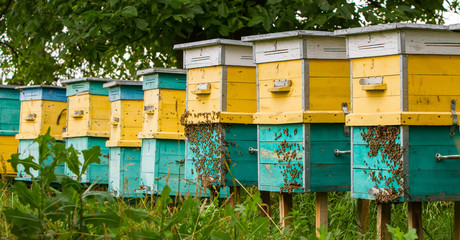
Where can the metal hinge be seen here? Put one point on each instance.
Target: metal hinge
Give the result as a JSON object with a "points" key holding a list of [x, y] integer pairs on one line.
{"points": [[346, 129], [454, 118]]}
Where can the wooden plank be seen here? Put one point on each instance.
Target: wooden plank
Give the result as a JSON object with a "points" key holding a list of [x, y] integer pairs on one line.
{"points": [[376, 66], [321, 211], [414, 210], [363, 215], [457, 220], [383, 218], [285, 200], [433, 64], [266, 203]]}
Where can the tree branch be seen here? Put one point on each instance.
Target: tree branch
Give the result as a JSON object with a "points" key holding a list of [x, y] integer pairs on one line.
{"points": [[10, 47], [8, 4]]}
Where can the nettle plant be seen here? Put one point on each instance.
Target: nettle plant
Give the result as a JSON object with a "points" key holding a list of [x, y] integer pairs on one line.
{"points": [[68, 211]]}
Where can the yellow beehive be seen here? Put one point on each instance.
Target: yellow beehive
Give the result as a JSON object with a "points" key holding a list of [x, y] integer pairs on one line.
{"points": [[42, 107], [164, 103], [403, 74], [88, 108], [126, 99], [9, 146], [303, 76], [221, 78]]}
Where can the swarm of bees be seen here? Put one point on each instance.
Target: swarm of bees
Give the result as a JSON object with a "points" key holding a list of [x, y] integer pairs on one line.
{"points": [[383, 141], [206, 139], [289, 156]]}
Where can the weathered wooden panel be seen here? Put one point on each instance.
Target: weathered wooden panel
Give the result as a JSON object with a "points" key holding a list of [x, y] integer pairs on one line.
{"points": [[124, 177], [39, 115], [125, 93], [8, 146], [125, 123], [164, 80], [9, 115], [86, 86], [88, 115], [26, 148], [98, 173], [46, 93]]}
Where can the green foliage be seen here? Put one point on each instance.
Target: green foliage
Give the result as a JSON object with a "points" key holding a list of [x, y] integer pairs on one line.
{"points": [[41, 41], [397, 234]]}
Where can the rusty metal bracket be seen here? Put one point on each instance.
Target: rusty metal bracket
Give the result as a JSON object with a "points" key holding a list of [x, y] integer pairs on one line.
{"points": [[346, 129], [454, 118]]}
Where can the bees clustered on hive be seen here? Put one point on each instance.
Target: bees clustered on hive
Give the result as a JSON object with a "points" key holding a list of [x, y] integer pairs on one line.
{"points": [[206, 137], [383, 141], [289, 156]]}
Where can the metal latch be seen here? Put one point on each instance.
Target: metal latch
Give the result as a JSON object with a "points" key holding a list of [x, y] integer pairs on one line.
{"points": [[454, 118], [252, 150], [346, 129], [439, 157], [338, 152]]}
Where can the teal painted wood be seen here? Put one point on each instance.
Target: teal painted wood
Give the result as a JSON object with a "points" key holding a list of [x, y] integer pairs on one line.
{"points": [[47, 93], [123, 92], [26, 148], [164, 80], [91, 87], [124, 167], [426, 178], [10, 108], [243, 165], [98, 173], [310, 147], [162, 164]]}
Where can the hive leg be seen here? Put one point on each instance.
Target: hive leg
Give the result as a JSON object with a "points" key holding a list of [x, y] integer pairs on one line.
{"points": [[235, 196], [265, 196], [457, 220], [383, 218], [285, 208], [321, 210], [415, 217], [363, 215]]}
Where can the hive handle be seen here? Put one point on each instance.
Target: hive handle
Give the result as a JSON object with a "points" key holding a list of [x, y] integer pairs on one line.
{"points": [[338, 152], [253, 150], [440, 157], [78, 114]]}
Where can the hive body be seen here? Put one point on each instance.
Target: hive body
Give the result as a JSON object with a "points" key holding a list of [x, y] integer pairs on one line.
{"points": [[42, 108], [404, 78], [9, 126], [303, 83], [126, 99], [221, 100], [163, 145], [88, 116]]}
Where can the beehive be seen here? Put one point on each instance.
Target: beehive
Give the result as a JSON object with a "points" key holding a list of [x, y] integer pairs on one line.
{"points": [[126, 99], [162, 135], [221, 99], [405, 86], [303, 91], [88, 117], [9, 126], [42, 108]]}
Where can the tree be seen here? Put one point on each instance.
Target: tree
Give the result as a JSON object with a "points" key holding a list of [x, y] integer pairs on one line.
{"points": [[44, 40]]}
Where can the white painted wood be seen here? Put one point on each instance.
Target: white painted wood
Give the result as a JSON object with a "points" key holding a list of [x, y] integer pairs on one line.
{"points": [[373, 44], [432, 42], [326, 48], [238, 56], [278, 50], [202, 56]]}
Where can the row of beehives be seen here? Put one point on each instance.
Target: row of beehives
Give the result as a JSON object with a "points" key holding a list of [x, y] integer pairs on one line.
{"points": [[274, 111]]}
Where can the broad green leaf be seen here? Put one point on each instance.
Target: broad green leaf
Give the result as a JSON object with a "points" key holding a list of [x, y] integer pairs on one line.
{"points": [[137, 214], [90, 156], [72, 162], [223, 9], [26, 195], [255, 20], [110, 219], [146, 235], [28, 163], [142, 24], [24, 225], [220, 236], [129, 11]]}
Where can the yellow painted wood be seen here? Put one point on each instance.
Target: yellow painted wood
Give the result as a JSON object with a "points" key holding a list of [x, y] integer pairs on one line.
{"points": [[374, 87], [433, 65], [95, 117], [376, 66], [241, 89], [400, 118], [46, 115], [9, 145], [299, 117], [126, 119], [164, 120]]}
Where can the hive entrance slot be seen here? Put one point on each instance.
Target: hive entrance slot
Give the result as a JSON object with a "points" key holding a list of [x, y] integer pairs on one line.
{"points": [[372, 84], [281, 86]]}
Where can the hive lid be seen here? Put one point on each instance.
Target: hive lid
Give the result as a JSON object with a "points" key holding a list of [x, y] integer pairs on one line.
{"points": [[455, 27], [211, 42], [39, 86], [388, 27], [160, 70], [86, 79], [9, 86], [289, 34], [122, 83]]}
